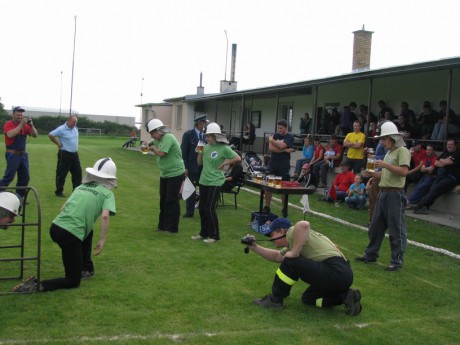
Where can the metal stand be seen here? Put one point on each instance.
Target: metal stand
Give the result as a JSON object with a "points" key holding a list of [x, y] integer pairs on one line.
{"points": [[21, 245]]}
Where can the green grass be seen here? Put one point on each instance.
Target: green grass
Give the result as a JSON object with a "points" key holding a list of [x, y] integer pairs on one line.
{"points": [[157, 288]]}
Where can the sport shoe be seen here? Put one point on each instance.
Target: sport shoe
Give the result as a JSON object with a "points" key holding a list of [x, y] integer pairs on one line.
{"points": [[421, 210], [196, 237], [353, 302], [86, 274], [209, 240], [392, 268], [28, 285], [365, 259], [267, 302]]}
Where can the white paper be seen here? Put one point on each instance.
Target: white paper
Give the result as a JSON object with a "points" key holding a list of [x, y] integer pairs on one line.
{"points": [[304, 201], [187, 188]]}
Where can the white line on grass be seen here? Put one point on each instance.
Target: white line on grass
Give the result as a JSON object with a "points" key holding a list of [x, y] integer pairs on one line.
{"points": [[340, 221]]}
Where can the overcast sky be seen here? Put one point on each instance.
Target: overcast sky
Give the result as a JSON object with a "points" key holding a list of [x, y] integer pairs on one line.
{"points": [[169, 42]]}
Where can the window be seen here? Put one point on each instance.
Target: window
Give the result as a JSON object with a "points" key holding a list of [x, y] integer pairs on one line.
{"points": [[179, 117]]}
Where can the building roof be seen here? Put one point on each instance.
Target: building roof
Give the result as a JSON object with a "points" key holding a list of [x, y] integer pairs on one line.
{"points": [[304, 86]]}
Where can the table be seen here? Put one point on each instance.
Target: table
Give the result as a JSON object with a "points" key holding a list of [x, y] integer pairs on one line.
{"points": [[263, 187]]}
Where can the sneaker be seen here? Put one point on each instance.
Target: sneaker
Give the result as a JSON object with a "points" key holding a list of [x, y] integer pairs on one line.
{"points": [[196, 237], [209, 240], [421, 210], [28, 285], [353, 302], [86, 274], [267, 302], [365, 259], [392, 268]]}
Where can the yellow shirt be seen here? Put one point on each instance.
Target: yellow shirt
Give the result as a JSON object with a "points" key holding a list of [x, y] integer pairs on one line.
{"points": [[356, 138]]}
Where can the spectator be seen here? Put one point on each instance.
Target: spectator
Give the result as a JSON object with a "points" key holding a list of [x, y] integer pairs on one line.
{"points": [[10, 205], [313, 258], [335, 119], [280, 145], [305, 124], [403, 127], [409, 115], [389, 210], [132, 140], [346, 120], [249, 134], [307, 178], [447, 177], [325, 125], [426, 120], [233, 175], [341, 184], [66, 139], [439, 130], [215, 155], [356, 194], [427, 175], [318, 154], [72, 229], [418, 155], [307, 155], [192, 170], [17, 159], [322, 169], [169, 158], [354, 141]]}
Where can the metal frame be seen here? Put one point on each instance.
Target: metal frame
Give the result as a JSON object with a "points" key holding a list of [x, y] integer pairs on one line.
{"points": [[23, 225]]}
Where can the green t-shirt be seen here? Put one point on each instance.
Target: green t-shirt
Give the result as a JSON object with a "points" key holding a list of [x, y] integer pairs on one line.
{"points": [[172, 164], [213, 156], [317, 248], [399, 156], [84, 207]]}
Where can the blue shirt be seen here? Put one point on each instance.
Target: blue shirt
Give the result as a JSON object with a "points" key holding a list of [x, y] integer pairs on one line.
{"points": [[67, 136]]}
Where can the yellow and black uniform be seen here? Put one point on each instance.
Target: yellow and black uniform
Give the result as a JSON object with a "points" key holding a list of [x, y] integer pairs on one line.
{"points": [[321, 265]]}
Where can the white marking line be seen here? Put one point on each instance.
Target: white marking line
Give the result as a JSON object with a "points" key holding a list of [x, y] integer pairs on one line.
{"points": [[340, 221]]}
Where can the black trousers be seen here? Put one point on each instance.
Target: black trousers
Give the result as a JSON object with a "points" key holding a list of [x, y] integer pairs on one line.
{"points": [[67, 161], [169, 203], [209, 195], [190, 202], [76, 257], [329, 279]]}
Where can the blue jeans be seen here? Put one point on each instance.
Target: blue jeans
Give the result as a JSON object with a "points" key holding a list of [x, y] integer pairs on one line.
{"points": [[355, 201], [299, 163], [442, 183], [16, 163], [388, 214], [421, 188]]}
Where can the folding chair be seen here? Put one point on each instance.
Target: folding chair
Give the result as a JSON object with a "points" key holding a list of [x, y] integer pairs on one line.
{"points": [[235, 190]]}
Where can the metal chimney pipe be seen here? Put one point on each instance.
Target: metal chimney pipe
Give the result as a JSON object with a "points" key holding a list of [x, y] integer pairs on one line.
{"points": [[232, 72]]}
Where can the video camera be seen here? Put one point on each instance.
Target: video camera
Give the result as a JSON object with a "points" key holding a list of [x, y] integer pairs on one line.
{"points": [[248, 240]]}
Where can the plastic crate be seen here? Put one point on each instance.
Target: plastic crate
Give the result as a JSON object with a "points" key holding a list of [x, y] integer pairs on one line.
{"points": [[260, 221]]}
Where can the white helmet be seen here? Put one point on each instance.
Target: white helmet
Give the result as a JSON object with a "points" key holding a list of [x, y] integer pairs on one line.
{"points": [[104, 167], [156, 124], [388, 128], [213, 128], [10, 202]]}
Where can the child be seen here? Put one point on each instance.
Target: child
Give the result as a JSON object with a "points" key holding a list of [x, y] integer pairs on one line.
{"points": [[356, 194], [328, 154]]}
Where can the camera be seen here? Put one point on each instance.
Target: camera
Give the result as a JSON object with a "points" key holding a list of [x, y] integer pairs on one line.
{"points": [[29, 121], [248, 240]]}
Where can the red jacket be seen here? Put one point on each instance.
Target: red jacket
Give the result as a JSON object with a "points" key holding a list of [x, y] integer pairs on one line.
{"points": [[343, 181]]}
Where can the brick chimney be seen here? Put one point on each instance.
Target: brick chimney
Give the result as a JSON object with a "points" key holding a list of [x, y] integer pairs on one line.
{"points": [[362, 50]]}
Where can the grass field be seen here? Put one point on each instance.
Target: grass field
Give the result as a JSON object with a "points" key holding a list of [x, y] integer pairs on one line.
{"points": [[160, 288]]}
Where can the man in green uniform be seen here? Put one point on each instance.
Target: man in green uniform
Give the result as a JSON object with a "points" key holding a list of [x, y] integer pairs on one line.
{"points": [[313, 258]]}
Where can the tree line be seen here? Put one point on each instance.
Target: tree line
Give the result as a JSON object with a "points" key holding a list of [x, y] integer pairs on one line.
{"points": [[46, 124]]}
